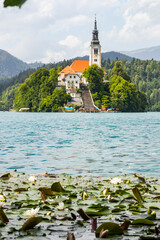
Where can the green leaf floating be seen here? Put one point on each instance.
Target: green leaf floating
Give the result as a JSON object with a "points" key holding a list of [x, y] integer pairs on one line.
{"points": [[143, 221], [46, 191], [31, 223], [137, 195], [12, 3], [3, 216], [57, 187], [113, 229], [6, 176]]}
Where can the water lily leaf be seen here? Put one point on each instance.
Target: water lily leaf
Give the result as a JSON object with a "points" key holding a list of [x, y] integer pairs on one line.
{"points": [[143, 221], [137, 195], [83, 214], [104, 211], [141, 179], [43, 196], [125, 225], [148, 238], [98, 210], [6, 176], [31, 223], [73, 216], [21, 190], [3, 216], [57, 187], [123, 193], [46, 191], [113, 229]]}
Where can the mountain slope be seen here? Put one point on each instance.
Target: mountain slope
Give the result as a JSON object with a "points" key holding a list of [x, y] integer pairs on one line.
{"points": [[11, 66], [145, 53], [111, 55]]}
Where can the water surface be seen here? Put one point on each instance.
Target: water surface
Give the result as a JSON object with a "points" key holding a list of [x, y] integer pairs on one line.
{"points": [[80, 143]]}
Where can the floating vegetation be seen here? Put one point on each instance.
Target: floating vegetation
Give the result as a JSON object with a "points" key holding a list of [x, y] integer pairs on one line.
{"points": [[64, 207]]}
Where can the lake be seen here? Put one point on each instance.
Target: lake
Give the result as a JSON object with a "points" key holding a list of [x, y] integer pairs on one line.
{"points": [[105, 144]]}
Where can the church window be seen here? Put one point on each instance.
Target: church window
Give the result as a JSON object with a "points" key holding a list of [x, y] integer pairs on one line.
{"points": [[95, 60], [70, 76], [76, 82], [74, 76], [95, 50]]}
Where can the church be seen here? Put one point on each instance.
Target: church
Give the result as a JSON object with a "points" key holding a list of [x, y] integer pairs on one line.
{"points": [[71, 76]]}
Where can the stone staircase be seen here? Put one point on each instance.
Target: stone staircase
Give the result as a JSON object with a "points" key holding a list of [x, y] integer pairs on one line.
{"points": [[88, 104]]}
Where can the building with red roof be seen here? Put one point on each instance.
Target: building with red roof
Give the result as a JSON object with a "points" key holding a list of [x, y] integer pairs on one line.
{"points": [[72, 76]]}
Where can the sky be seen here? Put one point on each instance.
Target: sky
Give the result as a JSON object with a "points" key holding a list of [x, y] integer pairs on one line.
{"points": [[50, 31]]}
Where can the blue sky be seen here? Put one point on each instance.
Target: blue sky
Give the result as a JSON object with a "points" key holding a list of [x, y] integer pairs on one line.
{"points": [[50, 31]]}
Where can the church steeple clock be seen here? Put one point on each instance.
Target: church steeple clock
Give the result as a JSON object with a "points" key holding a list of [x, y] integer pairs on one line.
{"points": [[95, 47]]}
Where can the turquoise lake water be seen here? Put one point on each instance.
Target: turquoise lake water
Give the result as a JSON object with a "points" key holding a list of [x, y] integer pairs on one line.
{"points": [[80, 143]]}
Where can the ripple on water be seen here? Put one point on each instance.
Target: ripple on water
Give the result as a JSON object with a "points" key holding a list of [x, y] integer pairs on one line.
{"points": [[99, 144]]}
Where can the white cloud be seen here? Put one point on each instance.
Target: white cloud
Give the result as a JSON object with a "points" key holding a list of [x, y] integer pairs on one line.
{"points": [[51, 56], [70, 41], [141, 24], [54, 30]]}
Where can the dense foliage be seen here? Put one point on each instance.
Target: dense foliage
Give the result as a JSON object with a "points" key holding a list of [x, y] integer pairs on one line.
{"points": [[9, 86], [12, 3], [94, 76], [39, 92], [145, 74], [118, 92]]}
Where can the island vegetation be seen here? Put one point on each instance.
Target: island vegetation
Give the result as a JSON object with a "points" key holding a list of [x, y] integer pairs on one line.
{"points": [[117, 92], [136, 77]]}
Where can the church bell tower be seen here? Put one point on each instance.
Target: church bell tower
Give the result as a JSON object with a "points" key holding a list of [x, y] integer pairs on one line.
{"points": [[95, 47]]}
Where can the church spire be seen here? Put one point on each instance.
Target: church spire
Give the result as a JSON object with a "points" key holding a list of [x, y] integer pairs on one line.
{"points": [[95, 33], [95, 24], [95, 47]]}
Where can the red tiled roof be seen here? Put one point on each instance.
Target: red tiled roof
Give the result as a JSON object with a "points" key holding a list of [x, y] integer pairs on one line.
{"points": [[67, 70], [79, 65]]}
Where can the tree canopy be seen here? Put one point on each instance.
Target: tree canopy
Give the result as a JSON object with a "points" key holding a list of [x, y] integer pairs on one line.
{"points": [[12, 3], [39, 92], [94, 76], [118, 92], [145, 74]]}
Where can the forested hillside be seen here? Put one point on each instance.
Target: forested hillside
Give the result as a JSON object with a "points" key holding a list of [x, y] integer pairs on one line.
{"points": [[11, 66], [39, 92], [118, 92], [146, 74]]}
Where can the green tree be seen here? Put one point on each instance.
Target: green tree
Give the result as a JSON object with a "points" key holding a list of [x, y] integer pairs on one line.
{"points": [[94, 76], [125, 96], [39, 92], [119, 71], [12, 3]]}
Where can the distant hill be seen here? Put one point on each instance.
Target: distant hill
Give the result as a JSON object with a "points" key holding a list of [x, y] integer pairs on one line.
{"points": [[111, 55], [145, 53], [11, 66]]}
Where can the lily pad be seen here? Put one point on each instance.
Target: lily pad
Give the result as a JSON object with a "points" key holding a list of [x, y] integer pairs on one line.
{"points": [[113, 229], [4, 219], [31, 223], [143, 221], [57, 187], [137, 195], [46, 191]]}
